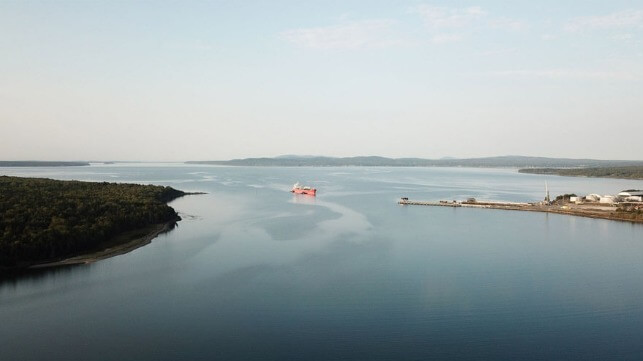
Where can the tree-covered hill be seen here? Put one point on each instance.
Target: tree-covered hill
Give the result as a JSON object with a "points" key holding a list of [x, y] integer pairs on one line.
{"points": [[374, 161], [602, 172], [45, 219]]}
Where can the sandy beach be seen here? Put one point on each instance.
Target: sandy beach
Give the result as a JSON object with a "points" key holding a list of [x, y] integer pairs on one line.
{"points": [[121, 244]]}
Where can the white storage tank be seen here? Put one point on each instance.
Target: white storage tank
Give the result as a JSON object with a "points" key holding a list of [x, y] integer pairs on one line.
{"points": [[593, 197], [607, 199]]}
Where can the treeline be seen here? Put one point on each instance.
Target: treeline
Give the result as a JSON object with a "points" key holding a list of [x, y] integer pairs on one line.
{"points": [[375, 161], [635, 172], [45, 219], [38, 163]]}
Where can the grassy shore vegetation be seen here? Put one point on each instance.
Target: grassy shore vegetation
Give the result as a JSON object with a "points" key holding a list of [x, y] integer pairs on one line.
{"points": [[44, 219], [634, 172]]}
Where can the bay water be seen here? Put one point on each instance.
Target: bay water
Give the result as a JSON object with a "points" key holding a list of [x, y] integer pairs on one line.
{"points": [[253, 272]]}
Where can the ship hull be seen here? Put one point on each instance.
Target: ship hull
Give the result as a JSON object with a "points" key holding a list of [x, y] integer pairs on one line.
{"points": [[310, 192]]}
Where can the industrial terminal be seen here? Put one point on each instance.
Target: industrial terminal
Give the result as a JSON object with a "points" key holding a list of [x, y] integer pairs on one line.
{"points": [[624, 206]]}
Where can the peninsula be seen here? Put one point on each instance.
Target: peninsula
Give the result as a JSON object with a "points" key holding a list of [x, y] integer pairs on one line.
{"points": [[44, 220]]}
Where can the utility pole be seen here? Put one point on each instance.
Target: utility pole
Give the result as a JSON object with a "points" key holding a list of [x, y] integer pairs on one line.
{"points": [[547, 199]]}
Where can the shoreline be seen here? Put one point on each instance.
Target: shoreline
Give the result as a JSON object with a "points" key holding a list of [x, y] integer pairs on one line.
{"points": [[623, 172], [596, 213], [114, 247], [53, 223]]}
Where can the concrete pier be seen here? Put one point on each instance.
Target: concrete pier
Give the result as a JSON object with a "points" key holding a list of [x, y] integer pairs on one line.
{"points": [[499, 205], [587, 210]]}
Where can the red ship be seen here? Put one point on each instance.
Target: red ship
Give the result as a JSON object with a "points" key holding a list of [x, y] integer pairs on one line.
{"points": [[298, 189]]}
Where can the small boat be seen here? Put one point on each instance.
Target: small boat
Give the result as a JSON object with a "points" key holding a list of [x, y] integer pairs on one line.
{"points": [[299, 189]]}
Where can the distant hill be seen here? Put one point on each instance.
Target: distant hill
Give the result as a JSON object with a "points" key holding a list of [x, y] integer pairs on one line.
{"points": [[634, 172], [375, 161], [295, 156], [37, 163]]}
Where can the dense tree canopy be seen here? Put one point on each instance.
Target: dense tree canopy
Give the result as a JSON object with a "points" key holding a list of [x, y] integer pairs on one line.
{"points": [[43, 219]]}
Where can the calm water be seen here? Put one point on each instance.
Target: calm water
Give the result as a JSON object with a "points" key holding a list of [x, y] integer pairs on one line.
{"points": [[256, 273]]}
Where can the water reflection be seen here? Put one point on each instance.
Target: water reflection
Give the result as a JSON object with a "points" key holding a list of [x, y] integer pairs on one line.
{"points": [[282, 238], [258, 273], [12, 278], [303, 199]]}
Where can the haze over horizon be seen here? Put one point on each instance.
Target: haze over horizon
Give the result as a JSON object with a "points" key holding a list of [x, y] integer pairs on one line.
{"points": [[170, 81]]}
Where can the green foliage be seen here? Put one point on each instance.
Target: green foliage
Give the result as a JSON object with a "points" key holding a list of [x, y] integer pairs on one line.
{"points": [[43, 219], [633, 172]]}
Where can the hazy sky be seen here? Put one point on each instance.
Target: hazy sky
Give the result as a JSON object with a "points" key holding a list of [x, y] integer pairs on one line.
{"points": [[179, 80]]}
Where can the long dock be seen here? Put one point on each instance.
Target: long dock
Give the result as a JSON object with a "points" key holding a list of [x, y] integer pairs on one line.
{"points": [[439, 204], [498, 205], [591, 211]]}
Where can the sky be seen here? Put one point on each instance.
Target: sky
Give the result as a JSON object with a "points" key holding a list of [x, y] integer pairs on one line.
{"points": [[215, 80]]}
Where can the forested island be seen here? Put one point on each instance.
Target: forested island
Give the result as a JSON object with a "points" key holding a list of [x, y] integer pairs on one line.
{"points": [[39, 163], [633, 172], [375, 161], [45, 220]]}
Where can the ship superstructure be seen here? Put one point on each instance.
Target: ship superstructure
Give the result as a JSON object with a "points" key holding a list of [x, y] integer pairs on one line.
{"points": [[299, 189]]}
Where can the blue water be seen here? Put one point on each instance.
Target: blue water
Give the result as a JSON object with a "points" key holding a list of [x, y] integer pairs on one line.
{"points": [[255, 273]]}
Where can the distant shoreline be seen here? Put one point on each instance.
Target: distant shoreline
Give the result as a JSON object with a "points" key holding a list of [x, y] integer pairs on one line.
{"points": [[38, 163], [620, 169], [632, 172], [376, 161]]}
